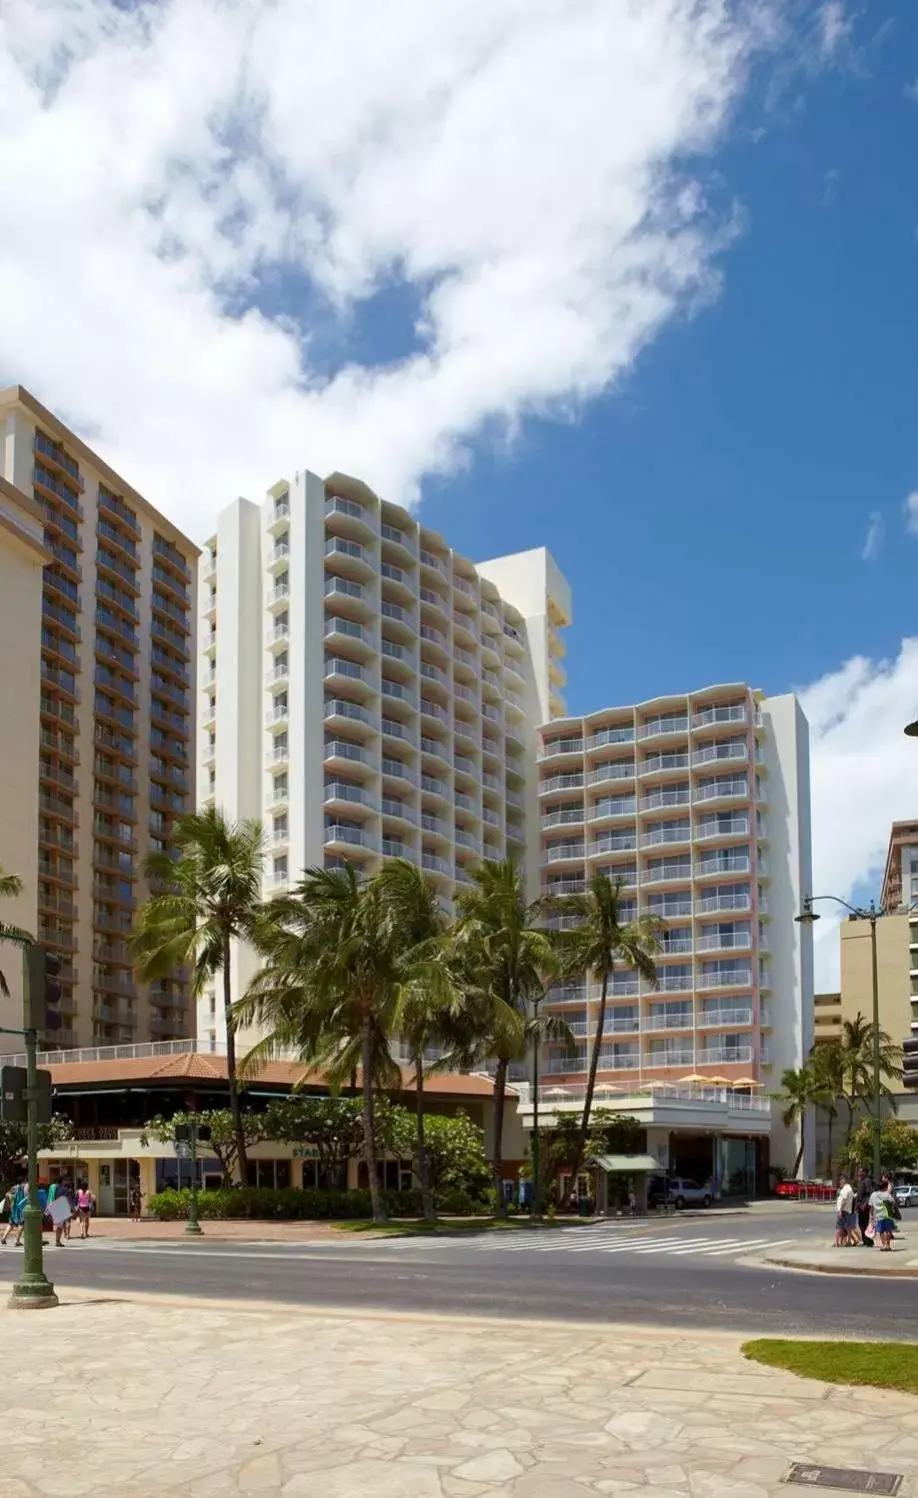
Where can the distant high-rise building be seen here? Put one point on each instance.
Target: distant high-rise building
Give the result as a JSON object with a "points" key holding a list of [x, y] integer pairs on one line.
{"points": [[116, 719], [22, 559], [366, 692]]}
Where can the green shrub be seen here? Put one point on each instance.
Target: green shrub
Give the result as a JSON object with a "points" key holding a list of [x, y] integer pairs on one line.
{"points": [[452, 1201], [290, 1204]]}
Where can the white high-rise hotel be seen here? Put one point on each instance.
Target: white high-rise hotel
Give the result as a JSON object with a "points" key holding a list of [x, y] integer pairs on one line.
{"points": [[366, 692], [699, 804]]}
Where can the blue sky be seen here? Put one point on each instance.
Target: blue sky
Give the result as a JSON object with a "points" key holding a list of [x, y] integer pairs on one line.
{"points": [[711, 512], [633, 281]]}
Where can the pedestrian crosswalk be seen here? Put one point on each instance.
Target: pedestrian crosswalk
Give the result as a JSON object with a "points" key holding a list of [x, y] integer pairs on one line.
{"points": [[600, 1240]]}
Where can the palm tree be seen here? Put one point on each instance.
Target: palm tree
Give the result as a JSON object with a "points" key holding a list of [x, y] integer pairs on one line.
{"points": [[827, 1064], [857, 1050], [503, 963], [339, 970], [600, 939], [428, 1003], [204, 896], [797, 1096], [10, 886]]}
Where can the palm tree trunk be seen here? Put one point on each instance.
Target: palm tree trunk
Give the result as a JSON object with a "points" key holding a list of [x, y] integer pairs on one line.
{"points": [[369, 1126], [580, 1147], [802, 1146], [427, 1201], [497, 1159], [850, 1129], [242, 1162]]}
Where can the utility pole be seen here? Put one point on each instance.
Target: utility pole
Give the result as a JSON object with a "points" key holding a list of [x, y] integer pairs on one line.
{"points": [[33, 1290]]}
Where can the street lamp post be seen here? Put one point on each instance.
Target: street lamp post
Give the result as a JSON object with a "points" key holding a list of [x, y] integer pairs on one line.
{"points": [[536, 1143], [808, 916]]}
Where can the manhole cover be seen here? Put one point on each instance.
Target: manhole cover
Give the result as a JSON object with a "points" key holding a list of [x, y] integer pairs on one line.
{"points": [[849, 1479]]}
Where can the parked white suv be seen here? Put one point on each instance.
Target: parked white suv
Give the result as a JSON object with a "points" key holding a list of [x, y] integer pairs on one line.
{"points": [[906, 1196], [679, 1192]]}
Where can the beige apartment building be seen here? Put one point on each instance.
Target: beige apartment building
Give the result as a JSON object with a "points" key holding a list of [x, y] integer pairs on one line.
{"points": [[110, 733], [22, 558], [827, 1016], [893, 973]]}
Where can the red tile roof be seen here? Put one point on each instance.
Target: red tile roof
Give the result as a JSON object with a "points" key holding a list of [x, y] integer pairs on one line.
{"points": [[199, 1066]]}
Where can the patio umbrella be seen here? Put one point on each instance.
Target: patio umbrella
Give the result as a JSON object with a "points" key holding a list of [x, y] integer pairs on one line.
{"points": [[607, 1087], [557, 1092], [746, 1082], [651, 1085], [693, 1078], [718, 1081]]}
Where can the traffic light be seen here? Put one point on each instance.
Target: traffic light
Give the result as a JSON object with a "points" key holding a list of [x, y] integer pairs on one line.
{"points": [[43, 992]]}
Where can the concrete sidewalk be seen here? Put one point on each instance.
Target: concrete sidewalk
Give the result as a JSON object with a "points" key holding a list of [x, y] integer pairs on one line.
{"points": [[166, 1398], [901, 1263], [235, 1230]]}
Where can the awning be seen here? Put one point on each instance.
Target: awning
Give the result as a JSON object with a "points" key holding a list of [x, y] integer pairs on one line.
{"points": [[626, 1164]]}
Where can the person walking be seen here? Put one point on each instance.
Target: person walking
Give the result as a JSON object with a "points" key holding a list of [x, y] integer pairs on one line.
{"points": [[845, 1215], [136, 1202], [864, 1189], [17, 1199], [881, 1215], [85, 1203]]}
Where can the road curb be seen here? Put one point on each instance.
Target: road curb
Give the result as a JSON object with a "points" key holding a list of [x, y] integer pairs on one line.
{"points": [[867, 1270]]}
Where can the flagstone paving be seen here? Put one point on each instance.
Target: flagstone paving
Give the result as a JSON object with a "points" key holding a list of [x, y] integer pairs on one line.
{"points": [[166, 1397]]}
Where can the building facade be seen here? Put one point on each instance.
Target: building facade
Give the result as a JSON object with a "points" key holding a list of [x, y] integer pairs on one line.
{"points": [[827, 1016], [900, 876], [699, 804], [115, 719], [22, 560], [366, 692]]}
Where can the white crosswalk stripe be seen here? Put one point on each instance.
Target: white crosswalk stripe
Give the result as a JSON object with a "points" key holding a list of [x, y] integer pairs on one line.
{"points": [[606, 1239], [600, 1239]]}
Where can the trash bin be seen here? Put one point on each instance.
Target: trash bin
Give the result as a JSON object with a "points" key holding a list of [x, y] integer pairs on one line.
{"points": [[584, 1207]]}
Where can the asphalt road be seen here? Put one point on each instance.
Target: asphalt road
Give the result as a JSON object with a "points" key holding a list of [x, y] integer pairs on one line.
{"points": [[687, 1274]]}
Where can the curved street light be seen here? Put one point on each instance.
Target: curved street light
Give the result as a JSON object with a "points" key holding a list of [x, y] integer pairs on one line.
{"points": [[807, 917]]}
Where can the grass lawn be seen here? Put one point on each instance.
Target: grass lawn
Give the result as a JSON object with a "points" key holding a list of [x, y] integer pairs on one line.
{"points": [[884, 1365], [415, 1227]]}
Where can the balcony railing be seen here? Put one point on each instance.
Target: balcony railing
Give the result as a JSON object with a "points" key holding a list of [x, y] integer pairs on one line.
{"points": [[664, 872], [560, 746], [732, 1055], [561, 783], [723, 752], [657, 727], [734, 714], [716, 904], [336, 833], [714, 1019], [722, 827]]}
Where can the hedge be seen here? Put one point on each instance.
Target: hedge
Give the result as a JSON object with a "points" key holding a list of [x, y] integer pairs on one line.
{"points": [[290, 1203]]}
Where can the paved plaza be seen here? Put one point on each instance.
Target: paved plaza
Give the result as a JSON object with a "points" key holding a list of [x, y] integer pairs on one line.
{"points": [[172, 1397]]}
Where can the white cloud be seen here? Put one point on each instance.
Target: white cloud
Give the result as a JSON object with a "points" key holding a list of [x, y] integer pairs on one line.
{"points": [[522, 166], [864, 775], [911, 91], [873, 541], [910, 509], [835, 28]]}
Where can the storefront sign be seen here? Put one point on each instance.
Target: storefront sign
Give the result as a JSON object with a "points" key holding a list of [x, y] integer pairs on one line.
{"points": [[307, 1152]]}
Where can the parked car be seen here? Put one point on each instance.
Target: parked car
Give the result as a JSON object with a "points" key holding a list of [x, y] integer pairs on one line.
{"points": [[906, 1196], [679, 1192]]}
